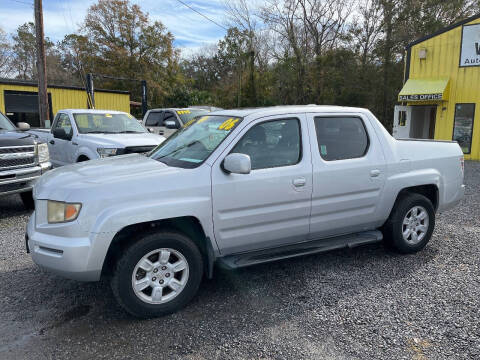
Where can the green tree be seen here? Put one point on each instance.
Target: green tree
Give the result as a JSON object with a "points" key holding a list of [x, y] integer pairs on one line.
{"points": [[122, 41]]}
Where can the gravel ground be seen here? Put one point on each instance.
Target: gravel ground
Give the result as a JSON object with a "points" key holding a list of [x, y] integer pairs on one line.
{"points": [[363, 303]]}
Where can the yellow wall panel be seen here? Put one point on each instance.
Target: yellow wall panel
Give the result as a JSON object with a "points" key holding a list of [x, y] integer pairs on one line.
{"points": [[73, 98]]}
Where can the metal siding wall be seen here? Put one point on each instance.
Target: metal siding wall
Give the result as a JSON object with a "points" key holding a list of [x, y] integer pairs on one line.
{"points": [[74, 99], [443, 57], [111, 101]]}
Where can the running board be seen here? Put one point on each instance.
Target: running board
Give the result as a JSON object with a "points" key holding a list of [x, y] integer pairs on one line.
{"points": [[304, 248]]}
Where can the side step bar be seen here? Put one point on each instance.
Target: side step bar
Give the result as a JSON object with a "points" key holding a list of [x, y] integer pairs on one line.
{"points": [[304, 248]]}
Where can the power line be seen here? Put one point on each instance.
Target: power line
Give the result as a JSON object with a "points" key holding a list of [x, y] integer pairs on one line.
{"points": [[199, 13]]}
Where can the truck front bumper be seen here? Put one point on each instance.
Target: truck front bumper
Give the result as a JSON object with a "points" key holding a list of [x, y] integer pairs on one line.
{"points": [[21, 180], [68, 257]]}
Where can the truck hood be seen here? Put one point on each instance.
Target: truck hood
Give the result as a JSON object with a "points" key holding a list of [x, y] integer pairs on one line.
{"points": [[123, 140], [15, 138], [102, 176]]}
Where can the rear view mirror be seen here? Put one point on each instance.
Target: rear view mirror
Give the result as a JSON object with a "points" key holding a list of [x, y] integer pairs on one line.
{"points": [[237, 164], [170, 124], [23, 126]]}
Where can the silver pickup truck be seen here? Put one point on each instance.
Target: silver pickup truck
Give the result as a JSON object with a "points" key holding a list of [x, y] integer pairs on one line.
{"points": [[81, 135], [238, 188]]}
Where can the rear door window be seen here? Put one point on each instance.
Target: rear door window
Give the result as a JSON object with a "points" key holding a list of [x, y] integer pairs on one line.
{"points": [[341, 138]]}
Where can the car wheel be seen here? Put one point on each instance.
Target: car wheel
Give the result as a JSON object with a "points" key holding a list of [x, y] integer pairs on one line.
{"points": [[411, 224], [27, 199], [157, 275]]}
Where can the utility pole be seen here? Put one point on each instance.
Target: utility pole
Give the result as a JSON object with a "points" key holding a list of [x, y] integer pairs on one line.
{"points": [[43, 109]]}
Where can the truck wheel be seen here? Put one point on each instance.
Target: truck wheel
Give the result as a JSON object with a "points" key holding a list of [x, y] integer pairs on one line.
{"points": [[157, 275], [27, 199], [411, 224]]}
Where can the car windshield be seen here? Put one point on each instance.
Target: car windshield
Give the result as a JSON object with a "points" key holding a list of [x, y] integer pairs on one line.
{"points": [[192, 145], [188, 114], [106, 123], [5, 124]]}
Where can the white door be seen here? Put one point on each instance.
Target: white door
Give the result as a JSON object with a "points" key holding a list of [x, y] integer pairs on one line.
{"points": [[348, 175], [270, 206], [402, 122], [62, 148]]}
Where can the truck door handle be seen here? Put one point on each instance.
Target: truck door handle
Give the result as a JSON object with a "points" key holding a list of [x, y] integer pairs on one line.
{"points": [[375, 173], [52, 142], [300, 182]]}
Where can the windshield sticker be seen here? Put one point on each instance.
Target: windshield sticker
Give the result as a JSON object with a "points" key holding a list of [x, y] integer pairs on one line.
{"points": [[182, 112], [202, 119], [228, 124], [323, 150], [190, 122], [108, 115]]}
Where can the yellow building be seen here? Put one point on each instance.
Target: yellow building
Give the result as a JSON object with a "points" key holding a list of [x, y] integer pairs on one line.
{"points": [[441, 95], [19, 100]]}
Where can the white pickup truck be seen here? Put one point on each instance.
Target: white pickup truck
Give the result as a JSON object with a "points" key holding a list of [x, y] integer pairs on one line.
{"points": [[237, 188], [81, 135]]}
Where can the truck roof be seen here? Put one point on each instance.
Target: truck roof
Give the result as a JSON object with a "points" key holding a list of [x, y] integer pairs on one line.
{"points": [[90, 111], [285, 109]]}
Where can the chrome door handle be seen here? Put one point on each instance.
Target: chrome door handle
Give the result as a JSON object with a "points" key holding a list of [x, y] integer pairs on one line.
{"points": [[375, 173], [299, 182]]}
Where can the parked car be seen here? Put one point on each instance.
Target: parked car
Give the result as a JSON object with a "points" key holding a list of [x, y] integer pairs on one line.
{"points": [[22, 160], [166, 121], [81, 135], [238, 188]]}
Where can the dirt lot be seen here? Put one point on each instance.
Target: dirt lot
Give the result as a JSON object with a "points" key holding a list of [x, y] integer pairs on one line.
{"points": [[351, 304]]}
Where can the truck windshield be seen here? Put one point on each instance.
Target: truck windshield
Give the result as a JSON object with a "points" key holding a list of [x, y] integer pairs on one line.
{"points": [[188, 114], [105, 123], [192, 145], [5, 124]]}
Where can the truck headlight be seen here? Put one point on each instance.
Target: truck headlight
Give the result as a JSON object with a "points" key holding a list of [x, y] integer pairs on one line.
{"points": [[59, 212], [42, 152], [106, 152]]}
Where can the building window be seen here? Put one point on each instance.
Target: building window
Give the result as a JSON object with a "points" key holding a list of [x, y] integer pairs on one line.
{"points": [[463, 126]]}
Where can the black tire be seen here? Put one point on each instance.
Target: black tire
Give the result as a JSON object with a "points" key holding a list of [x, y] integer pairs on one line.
{"points": [[122, 277], [27, 199], [392, 230]]}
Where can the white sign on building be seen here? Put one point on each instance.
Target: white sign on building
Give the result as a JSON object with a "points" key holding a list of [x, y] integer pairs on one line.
{"points": [[470, 52]]}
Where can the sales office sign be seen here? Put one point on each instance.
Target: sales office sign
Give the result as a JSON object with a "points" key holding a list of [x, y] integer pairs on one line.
{"points": [[470, 52]]}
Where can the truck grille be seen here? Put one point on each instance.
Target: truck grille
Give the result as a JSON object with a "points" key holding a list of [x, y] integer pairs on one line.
{"points": [[12, 187], [138, 149], [16, 157], [16, 149]]}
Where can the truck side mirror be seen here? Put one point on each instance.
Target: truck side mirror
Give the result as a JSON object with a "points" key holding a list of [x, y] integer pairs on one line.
{"points": [[170, 124], [23, 126], [60, 133], [237, 164]]}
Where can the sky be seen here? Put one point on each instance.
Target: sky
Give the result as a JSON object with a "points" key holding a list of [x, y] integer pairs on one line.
{"points": [[61, 17]]}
